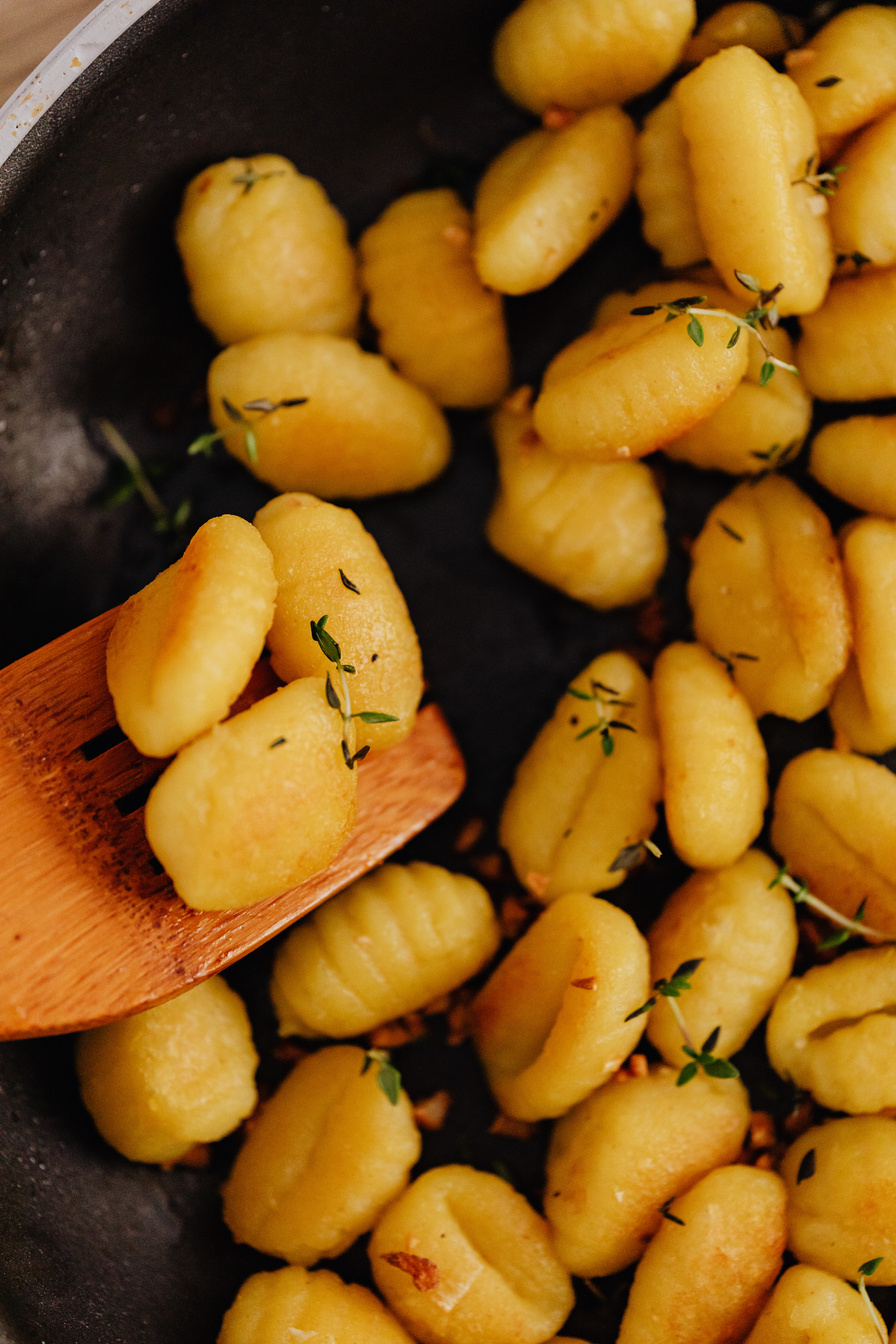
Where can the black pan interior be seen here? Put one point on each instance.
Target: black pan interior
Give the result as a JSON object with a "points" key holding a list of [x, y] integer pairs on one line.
{"points": [[373, 97]]}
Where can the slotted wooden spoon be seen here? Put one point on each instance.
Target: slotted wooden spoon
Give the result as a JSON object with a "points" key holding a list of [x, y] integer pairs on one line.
{"points": [[90, 927]]}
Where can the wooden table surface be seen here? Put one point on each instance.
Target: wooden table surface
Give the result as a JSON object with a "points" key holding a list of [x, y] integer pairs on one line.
{"points": [[29, 30]]}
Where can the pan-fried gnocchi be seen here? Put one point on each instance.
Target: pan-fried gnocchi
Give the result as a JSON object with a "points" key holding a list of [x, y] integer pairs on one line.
{"points": [[847, 74], [550, 1024], [548, 196], [745, 23], [714, 761], [809, 1306], [833, 1031], [848, 347], [257, 804], [327, 1153], [594, 530], [585, 795], [863, 710], [264, 250], [767, 593], [665, 189], [183, 648], [437, 322], [856, 459], [636, 384], [387, 945], [862, 207], [460, 1258], [834, 823], [588, 52], [843, 1213], [324, 416], [619, 1156], [750, 135], [182, 1073], [704, 1280], [744, 931], [327, 564], [292, 1304]]}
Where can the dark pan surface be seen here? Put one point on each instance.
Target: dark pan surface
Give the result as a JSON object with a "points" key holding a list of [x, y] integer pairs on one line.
{"points": [[373, 97]]}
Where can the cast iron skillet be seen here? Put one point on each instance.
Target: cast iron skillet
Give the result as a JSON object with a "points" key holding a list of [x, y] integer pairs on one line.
{"points": [[373, 97]]}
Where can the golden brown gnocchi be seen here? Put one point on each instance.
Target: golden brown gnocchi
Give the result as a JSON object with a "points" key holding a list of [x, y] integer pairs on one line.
{"points": [[704, 1280], [585, 794], [862, 207], [437, 322], [315, 412], [767, 593], [291, 1305], [810, 1306], [744, 931], [834, 823], [550, 1024], [327, 564], [580, 53], [863, 710], [841, 1201], [714, 762], [387, 945], [460, 1258], [183, 648], [665, 188], [745, 23], [833, 1031], [326, 1154], [750, 135], [848, 347], [594, 530], [847, 74], [182, 1073], [856, 459], [257, 804], [264, 250], [619, 1156], [548, 196]]}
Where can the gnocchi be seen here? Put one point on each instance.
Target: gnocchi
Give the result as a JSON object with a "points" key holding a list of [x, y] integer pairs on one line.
{"points": [[291, 1304]]}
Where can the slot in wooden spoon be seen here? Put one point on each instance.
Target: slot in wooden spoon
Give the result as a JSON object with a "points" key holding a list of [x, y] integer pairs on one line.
{"points": [[90, 928]]}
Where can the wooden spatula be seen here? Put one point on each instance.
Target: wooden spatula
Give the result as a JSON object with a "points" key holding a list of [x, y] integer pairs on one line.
{"points": [[90, 928]]}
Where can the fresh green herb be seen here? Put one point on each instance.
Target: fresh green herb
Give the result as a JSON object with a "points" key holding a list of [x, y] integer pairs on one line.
{"points": [[669, 989], [278, 742], [857, 258], [664, 1210], [806, 1167], [865, 1271], [388, 1079], [829, 82], [260, 407], [839, 938], [164, 520], [247, 179], [730, 530], [826, 183], [774, 458], [347, 583], [803, 896], [603, 698], [332, 652], [761, 318], [705, 1059], [746, 657], [630, 856]]}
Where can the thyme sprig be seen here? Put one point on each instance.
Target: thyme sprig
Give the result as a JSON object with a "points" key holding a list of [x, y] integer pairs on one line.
{"points": [[763, 317], [803, 896], [704, 1059], [630, 856], [826, 183], [388, 1079], [164, 519], [247, 179], [603, 698], [262, 405], [865, 1271], [331, 650], [774, 458]]}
